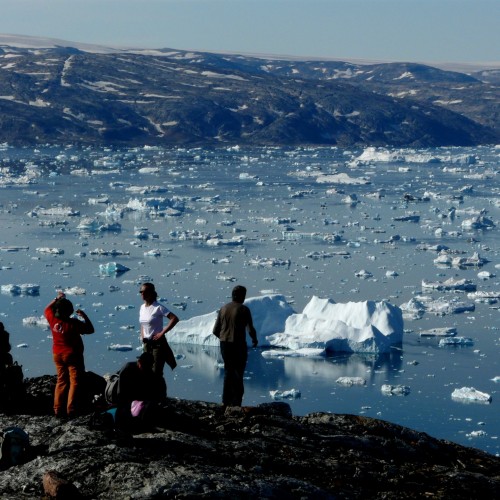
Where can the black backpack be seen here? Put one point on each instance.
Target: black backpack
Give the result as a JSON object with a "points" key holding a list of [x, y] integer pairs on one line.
{"points": [[14, 444], [12, 390]]}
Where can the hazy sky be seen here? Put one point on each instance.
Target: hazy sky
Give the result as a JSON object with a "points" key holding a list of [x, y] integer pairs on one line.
{"points": [[401, 30]]}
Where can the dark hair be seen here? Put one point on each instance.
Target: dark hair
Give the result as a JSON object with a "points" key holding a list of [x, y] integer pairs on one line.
{"points": [[151, 289], [63, 308], [239, 293]]}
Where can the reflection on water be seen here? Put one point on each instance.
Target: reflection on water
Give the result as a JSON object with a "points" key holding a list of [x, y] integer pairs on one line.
{"points": [[204, 367], [329, 369]]}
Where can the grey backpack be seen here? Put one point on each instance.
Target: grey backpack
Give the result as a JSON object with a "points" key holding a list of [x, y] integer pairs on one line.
{"points": [[111, 391]]}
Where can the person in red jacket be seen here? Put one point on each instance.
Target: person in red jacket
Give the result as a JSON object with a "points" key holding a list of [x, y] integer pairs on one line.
{"points": [[67, 350]]}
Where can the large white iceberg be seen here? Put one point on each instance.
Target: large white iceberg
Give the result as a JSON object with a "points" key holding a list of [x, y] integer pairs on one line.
{"points": [[369, 327], [470, 394], [269, 313]]}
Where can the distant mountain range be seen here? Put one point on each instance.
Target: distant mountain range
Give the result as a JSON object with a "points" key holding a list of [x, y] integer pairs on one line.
{"points": [[53, 91]]}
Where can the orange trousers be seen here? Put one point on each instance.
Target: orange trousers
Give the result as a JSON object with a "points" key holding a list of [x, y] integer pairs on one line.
{"points": [[70, 372]]}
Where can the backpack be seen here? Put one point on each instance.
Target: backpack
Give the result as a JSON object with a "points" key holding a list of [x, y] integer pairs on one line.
{"points": [[111, 392], [102, 420], [13, 389], [14, 444]]}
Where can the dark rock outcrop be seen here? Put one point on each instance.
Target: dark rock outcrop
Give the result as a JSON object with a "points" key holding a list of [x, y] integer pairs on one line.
{"points": [[202, 450]]}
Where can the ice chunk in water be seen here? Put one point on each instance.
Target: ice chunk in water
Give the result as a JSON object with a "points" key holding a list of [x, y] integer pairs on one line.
{"points": [[351, 381], [291, 394], [395, 390], [120, 347], [112, 268], [471, 394]]}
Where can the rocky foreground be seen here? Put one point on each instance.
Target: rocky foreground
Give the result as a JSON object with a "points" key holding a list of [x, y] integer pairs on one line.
{"points": [[202, 450]]}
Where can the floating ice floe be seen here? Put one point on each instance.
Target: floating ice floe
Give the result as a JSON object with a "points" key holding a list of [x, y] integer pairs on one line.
{"points": [[297, 235], [416, 307], [36, 321], [143, 233], [215, 242], [474, 261], [120, 347], [56, 212], [407, 218], [395, 390], [439, 332], [371, 327], [103, 198], [351, 381], [112, 268], [290, 394], [53, 251], [363, 274], [341, 178], [12, 248], [328, 255], [94, 226], [450, 284], [268, 262], [485, 275], [269, 314], [475, 434], [306, 352], [22, 289], [479, 222], [111, 253], [470, 394], [155, 252], [456, 341], [382, 155], [75, 290]]}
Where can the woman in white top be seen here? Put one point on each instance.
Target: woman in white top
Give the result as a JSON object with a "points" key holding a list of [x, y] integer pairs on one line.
{"points": [[153, 333]]}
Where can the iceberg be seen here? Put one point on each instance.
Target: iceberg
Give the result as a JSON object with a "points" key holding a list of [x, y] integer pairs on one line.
{"points": [[439, 332], [22, 289], [455, 341], [53, 251], [291, 394], [269, 313], [395, 390], [36, 321], [369, 327], [470, 394], [348, 381], [120, 347], [112, 268], [416, 307], [462, 284]]}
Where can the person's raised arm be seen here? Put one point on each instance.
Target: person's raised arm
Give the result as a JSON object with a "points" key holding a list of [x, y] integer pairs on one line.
{"points": [[88, 326]]}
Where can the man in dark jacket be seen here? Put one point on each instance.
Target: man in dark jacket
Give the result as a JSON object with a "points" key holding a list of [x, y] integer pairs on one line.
{"points": [[233, 321]]}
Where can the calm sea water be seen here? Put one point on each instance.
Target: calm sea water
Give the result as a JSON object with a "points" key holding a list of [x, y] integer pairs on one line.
{"points": [[258, 194]]}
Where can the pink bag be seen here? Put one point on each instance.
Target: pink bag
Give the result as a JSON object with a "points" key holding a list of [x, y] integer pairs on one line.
{"points": [[136, 408]]}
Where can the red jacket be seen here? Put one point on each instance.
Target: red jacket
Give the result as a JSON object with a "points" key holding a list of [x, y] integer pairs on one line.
{"points": [[66, 334]]}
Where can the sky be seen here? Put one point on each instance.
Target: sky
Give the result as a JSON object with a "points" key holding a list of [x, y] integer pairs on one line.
{"points": [[374, 30]]}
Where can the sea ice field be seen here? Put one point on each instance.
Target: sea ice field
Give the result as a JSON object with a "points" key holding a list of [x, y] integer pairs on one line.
{"points": [[417, 229]]}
